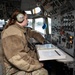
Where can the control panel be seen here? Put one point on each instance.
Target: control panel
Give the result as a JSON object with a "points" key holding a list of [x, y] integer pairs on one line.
{"points": [[63, 31]]}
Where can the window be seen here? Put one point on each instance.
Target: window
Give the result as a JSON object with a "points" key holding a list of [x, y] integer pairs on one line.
{"points": [[2, 22], [38, 25], [29, 23], [49, 23], [28, 12], [36, 10]]}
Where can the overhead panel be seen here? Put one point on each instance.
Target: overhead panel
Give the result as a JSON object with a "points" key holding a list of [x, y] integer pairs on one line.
{"points": [[7, 7], [57, 6], [72, 3], [28, 4]]}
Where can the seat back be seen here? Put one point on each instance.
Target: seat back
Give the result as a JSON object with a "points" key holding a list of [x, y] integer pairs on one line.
{"points": [[2, 68]]}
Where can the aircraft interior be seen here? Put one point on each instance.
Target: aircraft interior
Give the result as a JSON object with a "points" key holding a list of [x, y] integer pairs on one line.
{"points": [[57, 26]]}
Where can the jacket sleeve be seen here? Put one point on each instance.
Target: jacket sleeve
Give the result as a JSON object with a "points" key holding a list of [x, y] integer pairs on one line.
{"points": [[36, 35], [14, 51]]}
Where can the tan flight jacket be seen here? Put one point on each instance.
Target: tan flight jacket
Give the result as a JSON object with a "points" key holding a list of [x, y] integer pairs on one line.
{"points": [[17, 55]]}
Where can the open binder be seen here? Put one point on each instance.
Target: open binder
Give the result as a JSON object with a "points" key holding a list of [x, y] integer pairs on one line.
{"points": [[51, 54], [46, 52]]}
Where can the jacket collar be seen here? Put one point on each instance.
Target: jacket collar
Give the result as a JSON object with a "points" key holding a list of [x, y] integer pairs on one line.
{"points": [[23, 29]]}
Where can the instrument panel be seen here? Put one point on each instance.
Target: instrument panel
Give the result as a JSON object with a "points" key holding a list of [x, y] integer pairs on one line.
{"points": [[63, 31]]}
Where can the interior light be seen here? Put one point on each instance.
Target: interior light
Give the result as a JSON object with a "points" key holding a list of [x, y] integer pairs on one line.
{"points": [[70, 41], [71, 37]]}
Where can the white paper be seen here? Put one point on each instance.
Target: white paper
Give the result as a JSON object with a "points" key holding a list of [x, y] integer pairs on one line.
{"points": [[46, 46], [50, 54]]}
